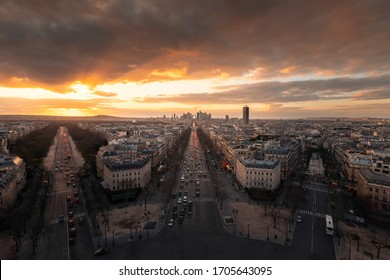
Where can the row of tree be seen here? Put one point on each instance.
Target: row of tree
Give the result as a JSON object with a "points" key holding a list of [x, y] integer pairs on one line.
{"points": [[33, 147], [88, 142]]}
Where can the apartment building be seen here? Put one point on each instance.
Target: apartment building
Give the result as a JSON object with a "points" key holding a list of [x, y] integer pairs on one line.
{"points": [[287, 155], [124, 174], [374, 189], [12, 179], [264, 174]]}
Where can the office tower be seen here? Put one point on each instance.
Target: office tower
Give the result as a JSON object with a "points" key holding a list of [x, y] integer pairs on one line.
{"points": [[245, 114]]}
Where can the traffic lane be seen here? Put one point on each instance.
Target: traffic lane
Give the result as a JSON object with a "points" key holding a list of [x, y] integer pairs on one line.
{"points": [[56, 247], [56, 206], [83, 248], [323, 203], [310, 238], [323, 246]]}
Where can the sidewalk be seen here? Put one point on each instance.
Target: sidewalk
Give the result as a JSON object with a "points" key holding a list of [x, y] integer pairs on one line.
{"points": [[253, 220], [369, 238], [256, 222]]}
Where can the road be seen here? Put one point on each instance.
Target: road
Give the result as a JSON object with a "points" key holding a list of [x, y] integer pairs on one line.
{"points": [[65, 199]]}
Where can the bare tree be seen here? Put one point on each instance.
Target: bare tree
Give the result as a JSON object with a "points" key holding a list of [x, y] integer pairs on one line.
{"points": [[378, 245], [274, 216], [357, 239]]}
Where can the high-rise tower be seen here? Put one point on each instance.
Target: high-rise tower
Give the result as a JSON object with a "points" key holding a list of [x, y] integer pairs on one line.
{"points": [[245, 114]]}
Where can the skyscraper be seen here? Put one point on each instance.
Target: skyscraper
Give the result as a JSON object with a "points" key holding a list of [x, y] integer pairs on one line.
{"points": [[245, 114]]}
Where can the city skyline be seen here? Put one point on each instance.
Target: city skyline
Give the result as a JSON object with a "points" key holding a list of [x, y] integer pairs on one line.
{"points": [[148, 59]]}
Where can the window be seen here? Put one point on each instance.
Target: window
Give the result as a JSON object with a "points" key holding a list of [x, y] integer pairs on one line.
{"points": [[376, 190], [370, 189], [376, 197]]}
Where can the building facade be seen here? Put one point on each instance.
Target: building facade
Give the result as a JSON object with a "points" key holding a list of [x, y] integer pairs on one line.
{"points": [[121, 175], [374, 189], [12, 179], [262, 174], [245, 115]]}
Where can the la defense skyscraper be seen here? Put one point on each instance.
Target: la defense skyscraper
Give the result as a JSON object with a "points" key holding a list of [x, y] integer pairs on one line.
{"points": [[245, 114]]}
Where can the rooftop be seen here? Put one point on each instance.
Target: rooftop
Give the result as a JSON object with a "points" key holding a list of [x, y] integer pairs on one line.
{"points": [[263, 164], [375, 178]]}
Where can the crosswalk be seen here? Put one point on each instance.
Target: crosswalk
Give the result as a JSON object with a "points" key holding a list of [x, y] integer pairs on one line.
{"points": [[311, 213], [205, 199], [56, 221], [67, 191], [317, 188]]}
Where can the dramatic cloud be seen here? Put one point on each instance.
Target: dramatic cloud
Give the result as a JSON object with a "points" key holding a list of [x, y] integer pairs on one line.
{"points": [[286, 92], [286, 51]]}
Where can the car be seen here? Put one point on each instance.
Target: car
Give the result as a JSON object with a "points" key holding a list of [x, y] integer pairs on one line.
{"points": [[61, 218], [70, 214], [179, 200], [71, 222], [68, 198], [76, 194], [299, 219], [181, 218], [73, 231], [81, 221], [189, 211], [171, 222], [71, 241], [101, 251], [76, 200]]}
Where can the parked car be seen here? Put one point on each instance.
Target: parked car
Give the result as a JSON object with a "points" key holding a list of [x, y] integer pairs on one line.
{"points": [[171, 222], [81, 221], [299, 219]]}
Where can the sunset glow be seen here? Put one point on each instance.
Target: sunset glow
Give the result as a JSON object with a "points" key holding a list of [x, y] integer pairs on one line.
{"points": [[148, 58]]}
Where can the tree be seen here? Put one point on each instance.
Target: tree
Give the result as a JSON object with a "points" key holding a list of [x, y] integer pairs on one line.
{"points": [[378, 245], [357, 239]]}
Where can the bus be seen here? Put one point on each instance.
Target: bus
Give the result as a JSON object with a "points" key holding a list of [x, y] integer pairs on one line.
{"points": [[329, 225]]}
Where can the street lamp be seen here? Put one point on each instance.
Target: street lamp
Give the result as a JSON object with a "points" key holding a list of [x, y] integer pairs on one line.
{"points": [[235, 212], [147, 224], [105, 233], [113, 237], [268, 233]]}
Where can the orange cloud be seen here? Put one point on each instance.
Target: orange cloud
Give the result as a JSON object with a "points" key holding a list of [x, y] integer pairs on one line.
{"points": [[288, 70], [172, 73], [104, 94]]}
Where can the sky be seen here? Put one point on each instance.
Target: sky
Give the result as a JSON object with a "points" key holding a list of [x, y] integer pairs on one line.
{"points": [[148, 58]]}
